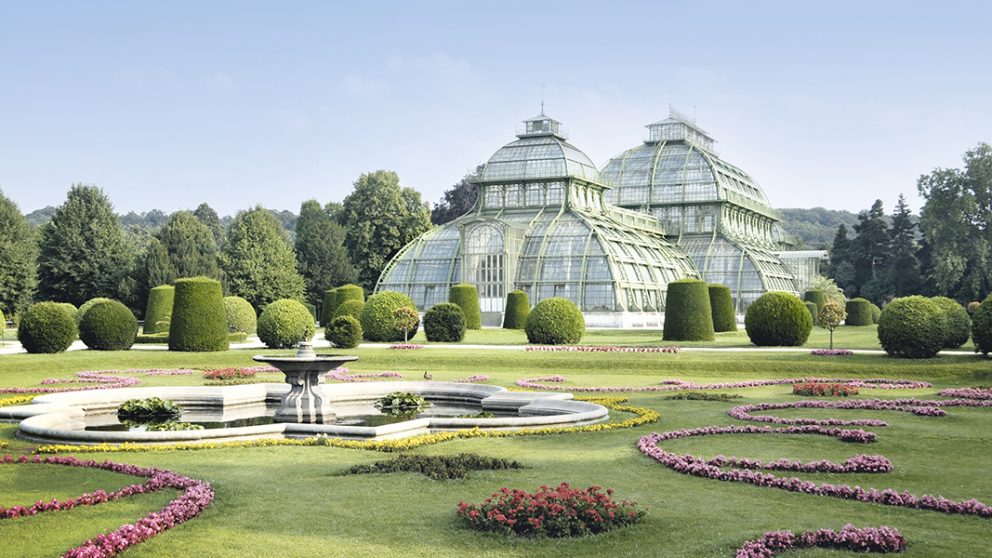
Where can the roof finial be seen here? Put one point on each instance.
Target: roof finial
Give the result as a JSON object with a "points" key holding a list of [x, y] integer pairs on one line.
{"points": [[542, 99]]}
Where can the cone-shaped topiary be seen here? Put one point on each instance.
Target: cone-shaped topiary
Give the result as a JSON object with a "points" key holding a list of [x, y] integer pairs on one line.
{"points": [[351, 308], [87, 305], [876, 313], [467, 298], [858, 312], [912, 327], [817, 297], [811, 306], [445, 323], [688, 316], [345, 332], [778, 319], [555, 321], [328, 307], [517, 310], [981, 326], [158, 311], [108, 326], [284, 323], [199, 323], [46, 327], [958, 322], [240, 315], [378, 319], [722, 305]]}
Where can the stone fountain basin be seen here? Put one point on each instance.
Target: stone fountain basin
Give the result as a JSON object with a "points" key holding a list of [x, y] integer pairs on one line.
{"points": [[58, 418]]}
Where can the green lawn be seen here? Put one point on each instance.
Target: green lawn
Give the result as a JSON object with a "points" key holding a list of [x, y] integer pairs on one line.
{"points": [[291, 501]]}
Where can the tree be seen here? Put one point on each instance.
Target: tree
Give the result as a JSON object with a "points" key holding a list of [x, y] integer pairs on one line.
{"points": [[155, 263], [405, 320], [842, 260], [904, 267], [379, 218], [830, 317], [321, 257], [208, 217], [956, 222], [457, 201], [83, 251], [259, 261], [191, 247], [18, 259], [871, 250]]}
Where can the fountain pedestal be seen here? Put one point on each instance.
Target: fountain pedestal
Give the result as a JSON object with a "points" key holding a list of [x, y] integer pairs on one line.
{"points": [[306, 402]]}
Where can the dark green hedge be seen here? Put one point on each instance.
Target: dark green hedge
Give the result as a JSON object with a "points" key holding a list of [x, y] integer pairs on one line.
{"points": [[345, 293], [778, 319], [158, 311], [722, 305], [84, 307], [327, 308], [345, 332], [467, 298], [351, 308], [517, 310], [817, 297], [284, 323], [981, 326], [912, 327], [555, 321], [858, 312], [199, 323], [46, 327], [958, 322], [445, 323], [876, 313], [811, 306], [240, 315], [378, 322], [688, 315], [108, 326], [70, 310]]}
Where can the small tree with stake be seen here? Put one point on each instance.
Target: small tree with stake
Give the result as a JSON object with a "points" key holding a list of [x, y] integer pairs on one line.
{"points": [[830, 316], [406, 319]]}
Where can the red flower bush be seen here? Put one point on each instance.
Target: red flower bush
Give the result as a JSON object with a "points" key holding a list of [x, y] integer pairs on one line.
{"points": [[228, 374], [551, 512], [816, 389]]}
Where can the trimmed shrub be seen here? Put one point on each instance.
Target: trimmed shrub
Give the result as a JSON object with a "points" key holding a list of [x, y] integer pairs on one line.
{"points": [[3, 323], [981, 326], [312, 309], [517, 310], [351, 308], [858, 312], [688, 316], [958, 322], [46, 327], [722, 306], [108, 326], [467, 298], [817, 297], [445, 322], [199, 323], [69, 309], [344, 293], [973, 307], [284, 323], [240, 315], [876, 313], [328, 307], [555, 321], [158, 311], [84, 307], [344, 331], [778, 319], [912, 327], [811, 306], [378, 321]]}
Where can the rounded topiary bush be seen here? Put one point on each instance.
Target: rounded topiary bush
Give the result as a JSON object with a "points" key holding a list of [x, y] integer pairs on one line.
{"points": [[378, 319], [817, 297], [778, 319], [46, 327], [344, 332], [688, 315], [84, 307], [351, 308], [981, 326], [517, 310], [858, 312], [108, 326], [158, 311], [722, 306], [467, 298], [958, 322], [69, 309], [876, 313], [555, 321], [445, 322], [912, 327], [199, 322], [328, 307], [284, 323], [811, 306], [240, 315]]}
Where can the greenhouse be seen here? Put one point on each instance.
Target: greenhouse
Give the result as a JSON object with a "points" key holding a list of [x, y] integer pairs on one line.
{"points": [[711, 209], [541, 225]]}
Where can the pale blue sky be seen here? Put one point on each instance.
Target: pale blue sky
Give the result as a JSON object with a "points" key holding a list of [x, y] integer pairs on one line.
{"points": [[168, 104]]}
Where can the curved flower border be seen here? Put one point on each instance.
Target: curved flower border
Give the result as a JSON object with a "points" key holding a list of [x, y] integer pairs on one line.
{"points": [[869, 539], [546, 383], [599, 349]]}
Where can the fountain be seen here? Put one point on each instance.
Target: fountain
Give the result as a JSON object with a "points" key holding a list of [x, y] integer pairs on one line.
{"points": [[306, 402]]}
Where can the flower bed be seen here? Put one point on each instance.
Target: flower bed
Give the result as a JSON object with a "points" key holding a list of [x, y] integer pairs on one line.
{"points": [[980, 393], [436, 467], [551, 512], [405, 346], [103, 379], [880, 540], [831, 352], [229, 374], [544, 383], [599, 349], [472, 379], [816, 389], [342, 374], [196, 496]]}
